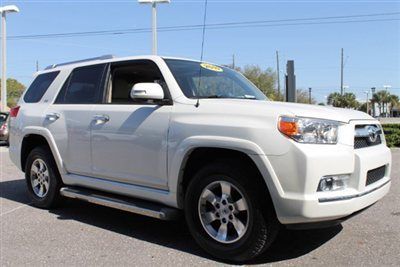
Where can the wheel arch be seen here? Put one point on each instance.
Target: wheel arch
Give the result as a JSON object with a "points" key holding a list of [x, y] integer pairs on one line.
{"points": [[199, 156]]}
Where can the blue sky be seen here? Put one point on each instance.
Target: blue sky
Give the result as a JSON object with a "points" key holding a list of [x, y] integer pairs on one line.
{"points": [[372, 49]]}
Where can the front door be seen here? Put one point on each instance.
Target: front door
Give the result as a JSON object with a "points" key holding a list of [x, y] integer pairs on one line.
{"points": [[129, 139]]}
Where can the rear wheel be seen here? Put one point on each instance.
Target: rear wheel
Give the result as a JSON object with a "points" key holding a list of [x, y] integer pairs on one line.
{"points": [[42, 178], [227, 213]]}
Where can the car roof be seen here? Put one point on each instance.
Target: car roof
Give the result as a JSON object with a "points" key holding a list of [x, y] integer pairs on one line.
{"points": [[104, 59]]}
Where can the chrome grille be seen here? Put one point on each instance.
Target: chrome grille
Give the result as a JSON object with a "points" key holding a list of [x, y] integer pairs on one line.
{"points": [[375, 175], [367, 135]]}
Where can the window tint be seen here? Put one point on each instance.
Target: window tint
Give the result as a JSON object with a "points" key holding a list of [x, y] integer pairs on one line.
{"points": [[39, 87], [125, 75], [84, 86]]}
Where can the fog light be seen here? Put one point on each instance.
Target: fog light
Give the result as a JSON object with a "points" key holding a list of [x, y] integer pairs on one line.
{"points": [[333, 182]]}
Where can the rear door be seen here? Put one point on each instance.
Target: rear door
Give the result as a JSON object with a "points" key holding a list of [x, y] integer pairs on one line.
{"points": [[71, 116], [129, 142]]}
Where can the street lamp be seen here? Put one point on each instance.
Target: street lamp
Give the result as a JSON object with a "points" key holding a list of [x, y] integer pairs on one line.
{"points": [[3, 11], [154, 19]]}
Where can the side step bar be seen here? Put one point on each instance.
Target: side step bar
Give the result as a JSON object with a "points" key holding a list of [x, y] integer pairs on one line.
{"points": [[141, 207]]}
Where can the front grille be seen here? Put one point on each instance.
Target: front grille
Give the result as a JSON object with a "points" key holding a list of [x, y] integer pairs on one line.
{"points": [[361, 142], [375, 175], [367, 135]]}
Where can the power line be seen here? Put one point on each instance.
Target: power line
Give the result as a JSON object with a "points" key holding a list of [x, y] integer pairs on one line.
{"points": [[225, 25]]}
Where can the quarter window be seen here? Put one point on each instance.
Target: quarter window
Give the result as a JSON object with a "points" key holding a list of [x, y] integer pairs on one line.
{"points": [[39, 87], [84, 86]]}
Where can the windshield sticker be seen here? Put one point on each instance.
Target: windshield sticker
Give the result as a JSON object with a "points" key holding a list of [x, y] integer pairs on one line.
{"points": [[211, 67]]}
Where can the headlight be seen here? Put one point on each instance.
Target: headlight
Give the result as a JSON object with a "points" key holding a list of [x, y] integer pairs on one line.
{"points": [[308, 130]]}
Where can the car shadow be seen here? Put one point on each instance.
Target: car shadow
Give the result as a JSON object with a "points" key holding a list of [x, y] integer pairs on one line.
{"points": [[171, 234]]}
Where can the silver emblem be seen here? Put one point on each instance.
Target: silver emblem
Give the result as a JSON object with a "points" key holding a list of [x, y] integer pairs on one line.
{"points": [[373, 133]]}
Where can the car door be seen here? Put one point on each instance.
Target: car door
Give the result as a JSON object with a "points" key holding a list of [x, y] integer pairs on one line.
{"points": [[70, 117], [129, 140]]}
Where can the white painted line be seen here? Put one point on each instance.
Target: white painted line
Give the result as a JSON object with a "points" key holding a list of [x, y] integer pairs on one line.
{"points": [[17, 208]]}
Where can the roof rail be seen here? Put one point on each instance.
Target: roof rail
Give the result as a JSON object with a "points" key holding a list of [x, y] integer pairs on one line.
{"points": [[80, 61]]}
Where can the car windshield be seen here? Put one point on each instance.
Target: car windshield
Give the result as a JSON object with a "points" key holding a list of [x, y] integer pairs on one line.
{"points": [[203, 80]]}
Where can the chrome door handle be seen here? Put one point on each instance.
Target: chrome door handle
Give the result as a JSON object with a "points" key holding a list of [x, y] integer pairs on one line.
{"points": [[101, 119], [52, 116]]}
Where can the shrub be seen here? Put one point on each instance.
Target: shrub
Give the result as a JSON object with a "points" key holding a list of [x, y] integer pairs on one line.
{"points": [[392, 134]]}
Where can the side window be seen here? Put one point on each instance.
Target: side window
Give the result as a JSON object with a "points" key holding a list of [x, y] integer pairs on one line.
{"points": [[84, 86], [39, 87], [124, 76]]}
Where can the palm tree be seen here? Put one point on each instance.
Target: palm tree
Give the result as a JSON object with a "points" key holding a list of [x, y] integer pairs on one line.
{"points": [[350, 101], [394, 101], [335, 99], [381, 97]]}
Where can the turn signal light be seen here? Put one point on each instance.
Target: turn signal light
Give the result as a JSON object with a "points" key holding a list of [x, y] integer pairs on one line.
{"points": [[288, 126]]}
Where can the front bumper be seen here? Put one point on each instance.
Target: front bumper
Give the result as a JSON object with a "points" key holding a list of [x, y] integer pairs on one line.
{"points": [[294, 177]]}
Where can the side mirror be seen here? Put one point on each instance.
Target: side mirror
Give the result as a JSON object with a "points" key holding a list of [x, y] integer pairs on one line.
{"points": [[151, 91]]}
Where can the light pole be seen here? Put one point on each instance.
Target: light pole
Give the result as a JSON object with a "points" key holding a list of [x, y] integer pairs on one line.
{"points": [[367, 92], [154, 19], [3, 11], [373, 102]]}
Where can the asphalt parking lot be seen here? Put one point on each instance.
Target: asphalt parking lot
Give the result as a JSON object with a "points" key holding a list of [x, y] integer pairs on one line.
{"points": [[83, 234]]}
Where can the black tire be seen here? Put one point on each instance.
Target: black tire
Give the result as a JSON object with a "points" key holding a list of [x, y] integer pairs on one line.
{"points": [[52, 197], [263, 226]]}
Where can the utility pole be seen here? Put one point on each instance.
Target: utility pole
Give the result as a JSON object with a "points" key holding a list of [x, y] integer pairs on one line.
{"points": [[373, 102], [341, 74], [309, 95], [233, 61], [37, 65], [277, 73]]}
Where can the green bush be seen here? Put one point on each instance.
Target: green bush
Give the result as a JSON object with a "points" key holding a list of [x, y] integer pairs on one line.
{"points": [[392, 134]]}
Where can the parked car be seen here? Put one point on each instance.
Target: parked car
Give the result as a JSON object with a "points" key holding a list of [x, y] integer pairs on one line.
{"points": [[4, 128], [164, 136]]}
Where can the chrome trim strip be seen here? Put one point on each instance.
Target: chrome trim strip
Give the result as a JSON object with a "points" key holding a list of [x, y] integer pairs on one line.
{"points": [[323, 200]]}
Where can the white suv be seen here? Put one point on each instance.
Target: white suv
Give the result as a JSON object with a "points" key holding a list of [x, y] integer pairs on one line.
{"points": [[154, 136]]}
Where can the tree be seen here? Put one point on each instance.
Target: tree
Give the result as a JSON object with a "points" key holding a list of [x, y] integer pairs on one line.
{"points": [[382, 98], [14, 91], [394, 102], [347, 100], [264, 79], [335, 99], [302, 97]]}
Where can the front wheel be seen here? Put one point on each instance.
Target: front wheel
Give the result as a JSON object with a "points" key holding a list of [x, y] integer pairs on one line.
{"points": [[227, 215]]}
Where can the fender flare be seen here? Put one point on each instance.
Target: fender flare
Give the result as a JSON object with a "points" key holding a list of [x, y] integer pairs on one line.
{"points": [[45, 133]]}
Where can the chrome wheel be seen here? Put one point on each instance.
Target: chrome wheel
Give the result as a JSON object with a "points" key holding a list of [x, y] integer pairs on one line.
{"points": [[223, 212], [40, 179]]}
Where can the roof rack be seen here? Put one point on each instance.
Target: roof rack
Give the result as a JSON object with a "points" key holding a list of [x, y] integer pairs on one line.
{"points": [[80, 61]]}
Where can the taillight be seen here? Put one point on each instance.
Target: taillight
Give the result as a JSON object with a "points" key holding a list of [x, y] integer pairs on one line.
{"points": [[14, 112]]}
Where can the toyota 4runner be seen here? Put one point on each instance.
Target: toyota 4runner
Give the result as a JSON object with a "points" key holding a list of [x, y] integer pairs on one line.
{"points": [[157, 136]]}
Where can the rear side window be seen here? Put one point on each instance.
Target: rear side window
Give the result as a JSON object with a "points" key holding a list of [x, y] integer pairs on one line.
{"points": [[39, 87], [84, 86]]}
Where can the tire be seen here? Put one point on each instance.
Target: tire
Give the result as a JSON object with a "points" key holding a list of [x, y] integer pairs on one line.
{"points": [[259, 220], [43, 188]]}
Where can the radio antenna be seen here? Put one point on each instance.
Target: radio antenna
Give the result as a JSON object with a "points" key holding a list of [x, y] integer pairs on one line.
{"points": [[202, 50]]}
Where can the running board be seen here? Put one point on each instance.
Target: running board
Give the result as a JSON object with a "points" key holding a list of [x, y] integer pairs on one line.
{"points": [[141, 207]]}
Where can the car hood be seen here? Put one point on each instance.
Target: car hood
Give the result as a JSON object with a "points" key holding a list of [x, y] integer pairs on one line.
{"points": [[245, 106]]}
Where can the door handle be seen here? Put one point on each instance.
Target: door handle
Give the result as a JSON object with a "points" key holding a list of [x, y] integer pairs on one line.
{"points": [[52, 116], [101, 119]]}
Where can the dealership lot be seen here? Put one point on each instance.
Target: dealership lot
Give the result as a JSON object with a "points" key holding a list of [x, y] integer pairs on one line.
{"points": [[83, 234]]}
